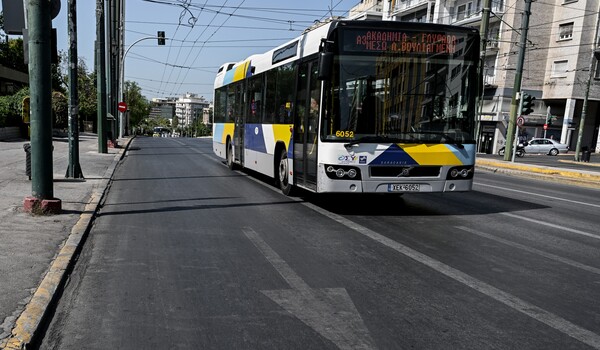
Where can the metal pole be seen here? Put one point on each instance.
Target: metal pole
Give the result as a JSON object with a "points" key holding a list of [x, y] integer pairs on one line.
{"points": [[517, 84], [40, 84], [74, 168], [485, 20], [587, 93], [101, 77], [122, 79]]}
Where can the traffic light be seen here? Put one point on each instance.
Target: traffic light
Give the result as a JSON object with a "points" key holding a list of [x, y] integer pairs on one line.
{"points": [[527, 104], [161, 37]]}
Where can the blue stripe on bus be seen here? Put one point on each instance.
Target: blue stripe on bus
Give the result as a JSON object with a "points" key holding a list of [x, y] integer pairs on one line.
{"points": [[254, 138], [394, 155], [218, 134], [228, 78], [465, 155]]}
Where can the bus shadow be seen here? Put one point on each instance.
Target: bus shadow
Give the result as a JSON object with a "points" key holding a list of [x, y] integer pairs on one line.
{"points": [[434, 204]]}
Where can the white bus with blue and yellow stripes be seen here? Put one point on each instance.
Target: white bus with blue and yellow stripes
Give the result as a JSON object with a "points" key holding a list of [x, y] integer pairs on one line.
{"points": [[355, 107]]}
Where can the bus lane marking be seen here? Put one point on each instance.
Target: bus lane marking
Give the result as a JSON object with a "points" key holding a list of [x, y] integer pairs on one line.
{"points": [[329, 311], [564, 228], [537, 195], [532, 250], [558, 323]]}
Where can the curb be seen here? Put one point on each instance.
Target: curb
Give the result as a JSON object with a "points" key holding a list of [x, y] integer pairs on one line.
{"points": [[581, 178], [28, 325]]}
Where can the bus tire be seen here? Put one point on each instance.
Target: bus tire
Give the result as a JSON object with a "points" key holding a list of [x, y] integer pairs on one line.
{"points": [[284, 174], [229, 155]]}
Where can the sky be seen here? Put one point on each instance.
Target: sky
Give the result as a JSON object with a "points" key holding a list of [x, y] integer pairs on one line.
{"points": [[202, 35]]}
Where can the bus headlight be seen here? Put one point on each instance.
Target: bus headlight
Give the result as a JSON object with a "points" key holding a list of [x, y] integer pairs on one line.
{"points": [[342, 172], [461, 172]]}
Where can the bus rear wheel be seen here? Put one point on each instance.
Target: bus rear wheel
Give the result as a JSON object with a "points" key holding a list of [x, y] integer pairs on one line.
{"points": [[284, 174]]}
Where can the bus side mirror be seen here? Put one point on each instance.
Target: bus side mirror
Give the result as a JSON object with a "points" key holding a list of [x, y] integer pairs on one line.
{"points": [[325, 65]]}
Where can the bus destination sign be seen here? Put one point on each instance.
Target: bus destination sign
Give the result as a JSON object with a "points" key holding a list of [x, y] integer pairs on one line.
{"points": [[400, 41]]}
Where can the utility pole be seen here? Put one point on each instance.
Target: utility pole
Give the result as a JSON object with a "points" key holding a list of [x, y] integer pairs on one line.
{"points": [[514, 105], [587, 92], [40, 84], [485, 20], [74, 169], [101, 77]]}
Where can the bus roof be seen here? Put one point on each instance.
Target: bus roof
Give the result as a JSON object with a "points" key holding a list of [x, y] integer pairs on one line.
{"points": [[307, 44]]}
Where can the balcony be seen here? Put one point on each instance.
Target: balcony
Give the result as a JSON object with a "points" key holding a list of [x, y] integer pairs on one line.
{"points": [[467, 13], [409, 5]]}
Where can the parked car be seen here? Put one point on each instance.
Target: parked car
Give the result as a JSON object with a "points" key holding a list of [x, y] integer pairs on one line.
{"points": [[545, 146]]}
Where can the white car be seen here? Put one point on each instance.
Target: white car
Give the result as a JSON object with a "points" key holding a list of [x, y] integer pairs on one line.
{"points": [[545, 146]]}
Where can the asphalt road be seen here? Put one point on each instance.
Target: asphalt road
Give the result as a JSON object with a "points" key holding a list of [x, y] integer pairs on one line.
{"points": [[188, 254]]}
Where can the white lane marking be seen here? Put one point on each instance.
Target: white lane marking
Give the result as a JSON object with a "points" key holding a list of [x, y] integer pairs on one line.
{"points": [[329, 311], [538, 195], [539, 222], [532, 250], [560, 324]]}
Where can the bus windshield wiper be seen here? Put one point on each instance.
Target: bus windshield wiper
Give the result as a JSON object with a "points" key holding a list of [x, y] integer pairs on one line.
{"points": [[449, 139], [373, 139]]}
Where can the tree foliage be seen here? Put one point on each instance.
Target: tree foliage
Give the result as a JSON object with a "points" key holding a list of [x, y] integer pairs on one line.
{"points": [[138, 106]]}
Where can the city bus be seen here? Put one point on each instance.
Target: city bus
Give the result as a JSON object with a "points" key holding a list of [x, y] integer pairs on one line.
{"points": [[355, 107]]}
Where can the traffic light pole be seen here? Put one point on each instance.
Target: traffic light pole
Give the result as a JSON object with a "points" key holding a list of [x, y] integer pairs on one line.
{"points": [[514, 105], [101, 77], [122, 78]]}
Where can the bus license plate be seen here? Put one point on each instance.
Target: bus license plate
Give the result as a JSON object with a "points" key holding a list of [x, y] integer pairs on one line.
{"points": [[404, 188]]}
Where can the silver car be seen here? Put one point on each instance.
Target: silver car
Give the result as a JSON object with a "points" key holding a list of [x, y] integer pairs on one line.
{"points": [[545, 146]]}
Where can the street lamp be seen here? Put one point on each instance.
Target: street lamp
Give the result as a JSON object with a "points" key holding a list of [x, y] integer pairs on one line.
{"points": [[161, 41]]}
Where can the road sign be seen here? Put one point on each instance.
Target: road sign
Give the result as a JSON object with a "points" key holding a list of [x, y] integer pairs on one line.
{"points": [[122, 106], [520, 121], [545, 126]]}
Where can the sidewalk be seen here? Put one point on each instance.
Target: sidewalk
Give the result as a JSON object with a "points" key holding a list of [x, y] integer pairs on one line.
{"points": [[36, 250], [564, 170]]}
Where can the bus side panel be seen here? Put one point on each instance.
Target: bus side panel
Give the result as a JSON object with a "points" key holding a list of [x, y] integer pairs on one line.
{"points": [[220, 133], [261, 140]]}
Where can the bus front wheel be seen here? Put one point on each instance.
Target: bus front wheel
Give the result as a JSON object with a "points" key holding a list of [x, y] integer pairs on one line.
{"points": [[229, 156], [284, 174]]}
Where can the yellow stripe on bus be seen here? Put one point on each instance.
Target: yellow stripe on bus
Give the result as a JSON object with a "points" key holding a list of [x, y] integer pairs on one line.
{"points": [[227, 130], [434, 154], [240, 71], [282, 132]]}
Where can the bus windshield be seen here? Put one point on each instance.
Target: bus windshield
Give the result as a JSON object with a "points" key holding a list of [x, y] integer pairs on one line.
{"points": [[394, 96]]}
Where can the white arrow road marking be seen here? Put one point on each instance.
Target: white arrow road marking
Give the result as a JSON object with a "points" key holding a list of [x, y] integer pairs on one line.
{"points": [[560, 324], [329, 311]]}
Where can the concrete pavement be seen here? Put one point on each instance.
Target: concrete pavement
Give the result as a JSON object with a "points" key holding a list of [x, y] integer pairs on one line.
{"points": [[559, 169], [37, 251]]}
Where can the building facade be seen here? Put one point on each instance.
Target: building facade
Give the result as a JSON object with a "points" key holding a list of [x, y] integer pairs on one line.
{"points": [[559, 53], [190, 108]]}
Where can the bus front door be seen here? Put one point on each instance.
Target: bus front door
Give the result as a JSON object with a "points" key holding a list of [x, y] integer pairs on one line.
{"points": [[306, 125], [240, 125]]}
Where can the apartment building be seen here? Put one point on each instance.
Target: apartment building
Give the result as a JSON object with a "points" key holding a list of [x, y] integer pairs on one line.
{"points": [[190, 108], [556, 69]]}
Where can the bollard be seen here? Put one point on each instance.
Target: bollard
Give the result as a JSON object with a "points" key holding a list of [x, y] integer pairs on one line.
{"points": [[27, 148], [585, 156]]}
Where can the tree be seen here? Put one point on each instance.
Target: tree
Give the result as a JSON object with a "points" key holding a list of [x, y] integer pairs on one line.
{"points": [[60, 110], [138, 106]]}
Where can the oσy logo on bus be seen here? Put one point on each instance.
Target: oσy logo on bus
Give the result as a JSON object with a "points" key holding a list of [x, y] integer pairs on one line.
{"points": [[346, 159]]}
